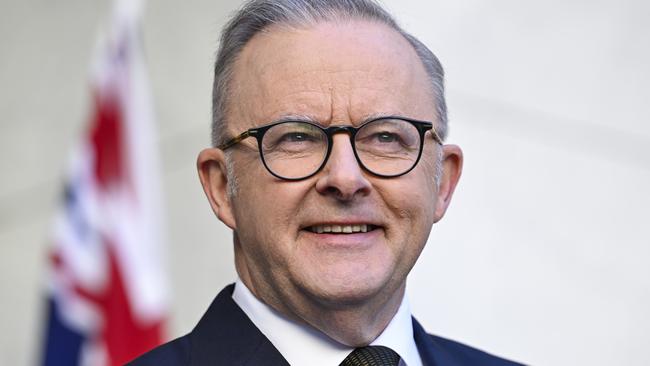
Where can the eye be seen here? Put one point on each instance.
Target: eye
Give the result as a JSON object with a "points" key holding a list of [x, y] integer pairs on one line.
{"points": [[296, 137], [292, 138], [386, 137]]}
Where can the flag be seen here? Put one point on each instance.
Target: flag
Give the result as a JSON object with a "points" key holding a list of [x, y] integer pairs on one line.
{"points": [[106, 285]]}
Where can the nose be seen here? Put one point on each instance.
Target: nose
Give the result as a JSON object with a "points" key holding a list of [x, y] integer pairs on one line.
{"points": [[342, 177]]}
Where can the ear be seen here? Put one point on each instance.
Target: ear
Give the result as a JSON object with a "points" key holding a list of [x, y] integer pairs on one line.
{"points": [[211, 164], [452, 166]]}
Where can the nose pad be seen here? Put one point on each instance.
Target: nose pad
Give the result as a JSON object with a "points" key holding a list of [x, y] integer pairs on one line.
{"points": [[342, 175]]}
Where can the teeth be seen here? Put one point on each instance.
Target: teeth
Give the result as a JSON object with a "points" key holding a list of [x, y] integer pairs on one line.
{"points": [[345, 229]]}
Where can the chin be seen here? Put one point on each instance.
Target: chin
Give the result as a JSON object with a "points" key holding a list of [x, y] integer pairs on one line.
{"points": [[347, 288]]}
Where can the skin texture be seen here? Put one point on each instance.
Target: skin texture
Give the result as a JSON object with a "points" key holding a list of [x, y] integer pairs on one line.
{"points": [[333, 73]]}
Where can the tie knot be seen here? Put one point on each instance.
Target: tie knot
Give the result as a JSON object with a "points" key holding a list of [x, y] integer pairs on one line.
{"points": [[372, 356]]}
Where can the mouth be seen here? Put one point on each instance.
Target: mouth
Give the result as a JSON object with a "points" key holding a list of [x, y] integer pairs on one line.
{"points": [[341, 229]]}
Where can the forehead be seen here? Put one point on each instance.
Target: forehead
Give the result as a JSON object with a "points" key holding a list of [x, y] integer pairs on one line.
{"points": [[331, 72]]}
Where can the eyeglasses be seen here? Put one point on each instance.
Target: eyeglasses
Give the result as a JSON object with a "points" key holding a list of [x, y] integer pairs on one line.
{"points": [[386, 147]]}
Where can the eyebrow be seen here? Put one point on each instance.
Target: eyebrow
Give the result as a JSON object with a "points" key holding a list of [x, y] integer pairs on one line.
{"points": [[295, 117], [378, 115], [307, 118]]}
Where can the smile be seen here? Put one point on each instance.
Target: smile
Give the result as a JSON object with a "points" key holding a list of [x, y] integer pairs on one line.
{"points": [[341, 229]]}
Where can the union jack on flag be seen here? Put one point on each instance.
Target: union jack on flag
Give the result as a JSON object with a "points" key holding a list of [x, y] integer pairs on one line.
{"points": [[106, 285]]}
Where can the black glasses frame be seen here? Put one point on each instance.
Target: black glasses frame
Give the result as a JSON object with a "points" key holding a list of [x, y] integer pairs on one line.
{"points": [[258, 133]]}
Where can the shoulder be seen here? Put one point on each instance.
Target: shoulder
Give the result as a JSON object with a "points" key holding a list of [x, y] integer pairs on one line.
{"points": [[174, 353], [223, 336], [467, 355], [445, 352]]}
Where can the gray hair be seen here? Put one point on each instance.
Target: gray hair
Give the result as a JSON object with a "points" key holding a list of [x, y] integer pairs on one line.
{"points": [[257, 15]]}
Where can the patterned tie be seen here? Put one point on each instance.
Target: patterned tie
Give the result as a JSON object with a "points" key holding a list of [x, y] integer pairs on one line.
{"points": [[372, 356]]}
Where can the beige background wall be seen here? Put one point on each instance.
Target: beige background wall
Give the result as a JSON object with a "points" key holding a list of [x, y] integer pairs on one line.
{"points": [[544, 254]]}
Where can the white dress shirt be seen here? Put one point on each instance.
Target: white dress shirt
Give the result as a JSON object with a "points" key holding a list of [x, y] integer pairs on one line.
{"points": [[301, 344]]}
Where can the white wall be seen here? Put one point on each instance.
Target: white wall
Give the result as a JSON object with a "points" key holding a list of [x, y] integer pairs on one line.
{"points": [[543, 256]]}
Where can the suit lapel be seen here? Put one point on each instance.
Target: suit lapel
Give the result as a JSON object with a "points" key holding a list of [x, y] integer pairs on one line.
{"points": [[226, 336], [431, 353]]}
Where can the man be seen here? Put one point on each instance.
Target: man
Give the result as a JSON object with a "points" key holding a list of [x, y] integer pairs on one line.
{"points": [[330, 169]]}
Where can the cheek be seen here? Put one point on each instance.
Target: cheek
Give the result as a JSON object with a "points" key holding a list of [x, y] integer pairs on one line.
{"points": [[265, 213], [412, 204], [412, 196], [417, 226], [261, 238]]}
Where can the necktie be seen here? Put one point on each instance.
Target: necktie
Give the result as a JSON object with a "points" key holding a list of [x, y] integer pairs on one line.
{"points": [[372, 356]]}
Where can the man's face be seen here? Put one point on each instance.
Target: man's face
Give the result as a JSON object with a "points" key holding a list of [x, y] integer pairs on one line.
{"points": [[334, 74]]}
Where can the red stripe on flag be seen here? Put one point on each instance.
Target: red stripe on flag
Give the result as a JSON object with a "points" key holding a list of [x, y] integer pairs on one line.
{"points": [[122, 334], [107, 140]]}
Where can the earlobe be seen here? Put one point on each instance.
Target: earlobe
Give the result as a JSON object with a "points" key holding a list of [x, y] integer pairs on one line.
{"points": [[452, 167], [211, 166]]}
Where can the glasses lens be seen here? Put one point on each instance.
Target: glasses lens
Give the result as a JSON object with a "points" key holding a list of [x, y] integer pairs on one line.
{"points": [[294, 149], [388, 146]]}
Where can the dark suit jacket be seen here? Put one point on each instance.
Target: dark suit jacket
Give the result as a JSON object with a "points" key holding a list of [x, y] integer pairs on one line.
{"points": [[226, 336]]}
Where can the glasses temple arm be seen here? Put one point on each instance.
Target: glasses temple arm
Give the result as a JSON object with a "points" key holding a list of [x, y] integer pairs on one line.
{"points": [[234, 141], [435, 136]]}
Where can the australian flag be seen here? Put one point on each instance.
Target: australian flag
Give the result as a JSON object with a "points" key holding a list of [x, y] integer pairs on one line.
{"points": [[106, 286]]}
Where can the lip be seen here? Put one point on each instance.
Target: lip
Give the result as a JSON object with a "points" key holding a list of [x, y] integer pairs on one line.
{"points": [[341, 228], [357, 240], [351, 241], [351, 222]]}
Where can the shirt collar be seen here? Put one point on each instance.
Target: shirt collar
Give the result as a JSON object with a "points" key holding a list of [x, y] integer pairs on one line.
{"points": [[299, 343]]}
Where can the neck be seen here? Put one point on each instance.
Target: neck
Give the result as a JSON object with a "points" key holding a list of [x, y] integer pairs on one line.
{"points": [[355, 325]]}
